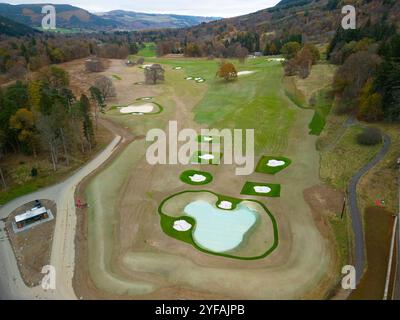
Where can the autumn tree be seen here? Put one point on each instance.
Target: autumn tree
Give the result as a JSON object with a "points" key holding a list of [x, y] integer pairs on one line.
{"points": [[23, 123], [241, 53], [227, 71], [290, 49]]}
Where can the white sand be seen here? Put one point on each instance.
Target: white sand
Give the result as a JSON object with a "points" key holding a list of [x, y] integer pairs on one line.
{"points": [[208, 138], [275, 163], [182, 225], [178, 68], [225, 205], [189, 78], [197, 178], [207, 157], [147, 65], [198, 78], [276, 59], [144, 108], [243, 73], [262, 189]]}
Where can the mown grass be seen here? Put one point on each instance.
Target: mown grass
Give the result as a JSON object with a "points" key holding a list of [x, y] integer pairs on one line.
{"points": [[322, 108], [248, 189], [263, 167], [185, 177], [148, 51], [256, 101]]}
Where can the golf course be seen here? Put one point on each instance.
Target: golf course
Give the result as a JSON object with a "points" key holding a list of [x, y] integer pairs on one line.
{"points": [[148, 235]]}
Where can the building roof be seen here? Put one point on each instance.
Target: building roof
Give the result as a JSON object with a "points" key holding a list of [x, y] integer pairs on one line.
{"points": [[30, 214]]}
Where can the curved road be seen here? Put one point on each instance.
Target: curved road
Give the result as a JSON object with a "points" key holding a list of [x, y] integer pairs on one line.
{"points": [[356, 217], [63, 248]]}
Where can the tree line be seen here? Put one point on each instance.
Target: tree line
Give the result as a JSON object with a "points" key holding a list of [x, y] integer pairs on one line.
{"points": [[367, 81], [43, 116]]}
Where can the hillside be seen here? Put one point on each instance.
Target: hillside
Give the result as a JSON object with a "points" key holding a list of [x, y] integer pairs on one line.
{"points": [[140, 21], [71, 17], [314, 20], [14, 29]]}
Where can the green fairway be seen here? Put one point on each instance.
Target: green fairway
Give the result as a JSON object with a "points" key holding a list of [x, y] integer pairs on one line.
{"points": [[148, 51], [189, 177], [267, 189], [264, 167], [256, 101]]}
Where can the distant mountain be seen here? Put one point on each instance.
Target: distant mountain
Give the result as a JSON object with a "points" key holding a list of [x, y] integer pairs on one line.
{"points": [[140, 21], [14, 29], [71, 17], [67, 16]]}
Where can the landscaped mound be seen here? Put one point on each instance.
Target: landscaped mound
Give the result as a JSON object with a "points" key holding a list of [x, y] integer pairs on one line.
{"points": [[272, 165], [203, 157], [220, 225], [195, 177], [261, 189]]}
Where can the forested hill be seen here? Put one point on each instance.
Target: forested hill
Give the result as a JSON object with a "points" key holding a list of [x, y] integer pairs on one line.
{"points": [[316, 20], [14, 29], [70, 17]]}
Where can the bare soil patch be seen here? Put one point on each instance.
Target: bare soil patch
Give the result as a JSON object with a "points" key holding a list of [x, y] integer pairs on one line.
{"points": [[32, 248]]}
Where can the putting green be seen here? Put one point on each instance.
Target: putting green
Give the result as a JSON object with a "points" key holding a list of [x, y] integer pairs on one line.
{"points": [[195, 177], [261, 189], [220, 230], [272, 165], [203, 157]]}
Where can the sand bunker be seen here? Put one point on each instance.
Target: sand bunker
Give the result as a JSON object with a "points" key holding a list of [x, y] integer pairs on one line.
{"points": [[275, 163], [189, 78], [140, 109], [208, 138], [207, 157], [262, 189], [225, 205], [243, 73], [182, 225], [197, 178], [178, 68]]}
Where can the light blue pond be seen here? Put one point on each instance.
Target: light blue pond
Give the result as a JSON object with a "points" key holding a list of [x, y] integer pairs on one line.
{"points": [[219, 230]]}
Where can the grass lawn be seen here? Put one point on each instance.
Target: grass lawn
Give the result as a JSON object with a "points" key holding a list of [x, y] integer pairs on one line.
{"points": [[248, 189], [322, 109], [256, 101], [378, 233], [340, 163], [185, 177], [263, 167], [148, 51]]}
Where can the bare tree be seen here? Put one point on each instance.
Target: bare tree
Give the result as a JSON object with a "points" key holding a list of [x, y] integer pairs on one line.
{"points": [[154, 73], [106, 87], [94, 65]]}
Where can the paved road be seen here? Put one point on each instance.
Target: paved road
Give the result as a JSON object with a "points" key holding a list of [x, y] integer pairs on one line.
{"points": [[63, 248], [356, 217]]}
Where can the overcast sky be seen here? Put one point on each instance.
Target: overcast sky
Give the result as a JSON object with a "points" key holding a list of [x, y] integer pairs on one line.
{"points": [[215, 8]]}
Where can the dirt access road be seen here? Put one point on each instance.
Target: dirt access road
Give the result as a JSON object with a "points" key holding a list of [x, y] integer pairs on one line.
{"points": [[63, 249]]}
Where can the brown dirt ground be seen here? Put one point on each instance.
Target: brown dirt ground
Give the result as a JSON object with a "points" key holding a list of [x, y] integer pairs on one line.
{"points": [[378, 234], [32, 248]]}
